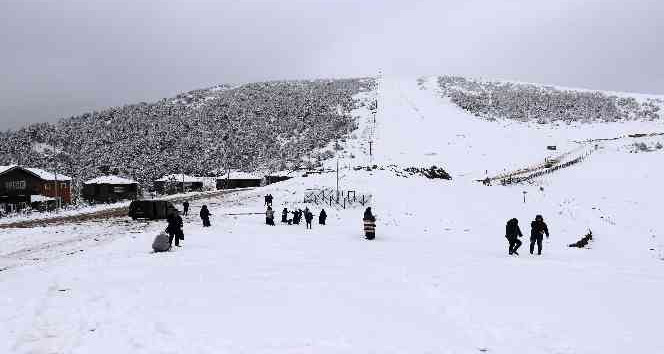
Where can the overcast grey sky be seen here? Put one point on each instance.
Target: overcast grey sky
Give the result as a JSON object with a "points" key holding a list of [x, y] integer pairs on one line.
{"points": [[65, 57]]}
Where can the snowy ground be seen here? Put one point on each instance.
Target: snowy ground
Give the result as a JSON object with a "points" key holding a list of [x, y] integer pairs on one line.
{"points": [[436, 280]]}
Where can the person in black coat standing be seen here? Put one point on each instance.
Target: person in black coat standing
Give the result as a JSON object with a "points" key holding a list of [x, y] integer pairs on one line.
{"points": [[269, 216], [322, 216], [185, 206], [308, 217], [284, 215], [538, 229], [205, 216], [512, 233], [174, 228]]}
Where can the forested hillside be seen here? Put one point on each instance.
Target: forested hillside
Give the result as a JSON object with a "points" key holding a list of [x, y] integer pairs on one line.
{"points": [[266, 126], [546, 104]]}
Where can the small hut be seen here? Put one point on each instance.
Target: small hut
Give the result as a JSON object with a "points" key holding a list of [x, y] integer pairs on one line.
{"points": [[109, 189], [277, 177], [238, 180], [178, 183]]}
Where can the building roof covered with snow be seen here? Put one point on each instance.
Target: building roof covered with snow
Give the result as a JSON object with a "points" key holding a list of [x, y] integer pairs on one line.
{"points": [[240, 175], [38, 172], [110, 179], [3, 169], [180, 178], [48, 176]]}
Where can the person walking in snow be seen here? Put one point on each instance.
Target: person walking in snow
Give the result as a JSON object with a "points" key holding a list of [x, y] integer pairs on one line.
{"points": [[269, 216], [269, 199], [185, 207], [174, 228], [308, 217], [284, 215], [205, 216], [512, 233], [538, 229], [266, 198], [322, 216], [369, 221]]}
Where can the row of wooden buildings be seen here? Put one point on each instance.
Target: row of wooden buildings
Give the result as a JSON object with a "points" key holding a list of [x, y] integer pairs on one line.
{"points": [[25, 187]]}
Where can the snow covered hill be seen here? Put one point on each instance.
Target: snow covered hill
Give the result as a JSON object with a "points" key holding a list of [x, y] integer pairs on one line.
{"points": [[267, 126], [437, 279]]}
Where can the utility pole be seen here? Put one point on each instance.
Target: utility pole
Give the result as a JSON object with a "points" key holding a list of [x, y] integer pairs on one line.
{"points": [[337, 178]]}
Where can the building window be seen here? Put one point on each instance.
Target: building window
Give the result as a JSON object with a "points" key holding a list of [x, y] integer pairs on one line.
{"points": [[119, 189], [15, 185]]}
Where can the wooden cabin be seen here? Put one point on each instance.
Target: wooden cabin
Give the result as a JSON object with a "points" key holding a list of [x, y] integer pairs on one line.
{"points": [[239, 180], [28, 187], [178, 183], [276, 177], [110, 189]]}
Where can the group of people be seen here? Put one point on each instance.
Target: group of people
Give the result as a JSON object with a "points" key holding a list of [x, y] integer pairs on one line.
{"points": [[538, 229], [297, 216], [268, 200]]}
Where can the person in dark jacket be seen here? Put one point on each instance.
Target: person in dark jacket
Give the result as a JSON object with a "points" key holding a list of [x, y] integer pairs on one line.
{"points": [[369, 221], [185, 207], [284, 215], [322, 216], [174, 228], [205, 216], [512, 233], [269, 216], [297, 216], [308, 217], [538, 229], [269, 199]]}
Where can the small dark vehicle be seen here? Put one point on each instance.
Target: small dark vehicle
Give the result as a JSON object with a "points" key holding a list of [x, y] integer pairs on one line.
{"points": [[150, 209]]}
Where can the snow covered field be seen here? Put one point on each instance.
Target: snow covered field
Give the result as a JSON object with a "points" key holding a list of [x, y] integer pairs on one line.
{"points": [[437, 279]]}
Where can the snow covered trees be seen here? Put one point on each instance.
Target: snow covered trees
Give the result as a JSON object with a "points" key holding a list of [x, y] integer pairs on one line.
{"points": [[543, 104], [248, 127]]}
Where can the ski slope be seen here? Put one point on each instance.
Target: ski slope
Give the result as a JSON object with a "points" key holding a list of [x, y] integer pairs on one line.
{"points": [[436, 280]]}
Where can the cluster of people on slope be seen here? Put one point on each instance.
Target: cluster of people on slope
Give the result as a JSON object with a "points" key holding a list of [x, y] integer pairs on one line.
{"points": [[538, 229], [173, 232], [297, 217]]}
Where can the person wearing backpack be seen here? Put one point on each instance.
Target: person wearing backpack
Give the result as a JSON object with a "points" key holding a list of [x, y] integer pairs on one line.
{"points": [[512, 233]]}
